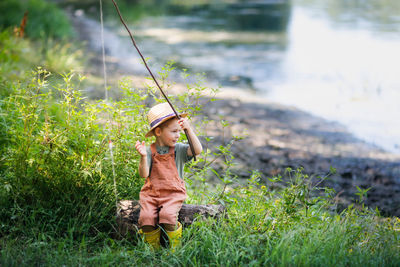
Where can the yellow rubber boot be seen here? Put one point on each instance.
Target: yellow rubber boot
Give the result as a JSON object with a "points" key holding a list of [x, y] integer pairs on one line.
{"points": [[175, 237], [152, 238]]}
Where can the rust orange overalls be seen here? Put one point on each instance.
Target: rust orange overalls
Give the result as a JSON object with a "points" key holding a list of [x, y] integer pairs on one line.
{"points": [[163, 192]]}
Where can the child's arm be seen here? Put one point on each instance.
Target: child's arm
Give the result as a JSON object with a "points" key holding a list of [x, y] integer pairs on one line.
{"points": [[184, 123], [143, 164]]}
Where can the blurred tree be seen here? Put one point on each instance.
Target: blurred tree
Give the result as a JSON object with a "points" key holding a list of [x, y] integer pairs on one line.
{"points": [[45, 19]]}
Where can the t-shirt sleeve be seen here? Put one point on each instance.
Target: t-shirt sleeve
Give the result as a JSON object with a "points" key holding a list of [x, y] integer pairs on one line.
{"points": [[181, 152]]}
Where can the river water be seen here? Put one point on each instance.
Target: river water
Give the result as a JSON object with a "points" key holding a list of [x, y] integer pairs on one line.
{"points": [[335, 59]]}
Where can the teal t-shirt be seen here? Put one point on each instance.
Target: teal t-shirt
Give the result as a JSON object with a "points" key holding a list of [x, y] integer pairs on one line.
{"points": [[181, 156]]}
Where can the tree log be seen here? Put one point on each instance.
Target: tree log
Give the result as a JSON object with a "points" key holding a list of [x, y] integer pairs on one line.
{"points": [[128, 215]]}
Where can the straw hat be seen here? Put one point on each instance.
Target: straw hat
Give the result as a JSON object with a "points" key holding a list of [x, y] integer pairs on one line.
{"points": [[159, 114]]}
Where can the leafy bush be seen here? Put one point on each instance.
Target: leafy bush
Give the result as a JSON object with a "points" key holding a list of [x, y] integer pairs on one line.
{"points": [[52, 165], [56, 165]]}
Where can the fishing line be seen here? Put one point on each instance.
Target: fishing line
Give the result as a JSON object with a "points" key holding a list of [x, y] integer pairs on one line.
{"points": [[103, 51], [110, 143]]}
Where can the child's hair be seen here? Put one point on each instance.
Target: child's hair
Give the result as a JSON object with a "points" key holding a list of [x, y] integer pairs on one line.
{"points": [[166, 123]]}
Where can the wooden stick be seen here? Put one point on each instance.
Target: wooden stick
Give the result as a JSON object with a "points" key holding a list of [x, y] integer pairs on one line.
{"points": [[152, 76]]}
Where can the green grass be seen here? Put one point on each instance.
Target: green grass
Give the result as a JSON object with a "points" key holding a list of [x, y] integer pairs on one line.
{"points": [[230, 242]]}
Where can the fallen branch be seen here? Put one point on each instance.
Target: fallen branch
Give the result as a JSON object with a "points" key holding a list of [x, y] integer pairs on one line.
{"points": [[129, 210]]}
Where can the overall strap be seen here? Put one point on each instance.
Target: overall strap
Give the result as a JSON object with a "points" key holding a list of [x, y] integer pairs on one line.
{"points": [[153, 148]]}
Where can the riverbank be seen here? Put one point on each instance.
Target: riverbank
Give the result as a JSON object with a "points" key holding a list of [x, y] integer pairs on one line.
{"points": [[277, 136]]}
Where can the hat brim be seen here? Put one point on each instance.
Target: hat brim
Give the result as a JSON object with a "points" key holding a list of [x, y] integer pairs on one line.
{"points": [[150, 133]]}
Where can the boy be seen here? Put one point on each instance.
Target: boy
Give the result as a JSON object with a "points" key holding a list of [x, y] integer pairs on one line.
{"points": [[162, 165]]}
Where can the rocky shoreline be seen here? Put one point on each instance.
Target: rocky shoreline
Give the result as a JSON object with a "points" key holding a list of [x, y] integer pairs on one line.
{"points": [[278, 137]]}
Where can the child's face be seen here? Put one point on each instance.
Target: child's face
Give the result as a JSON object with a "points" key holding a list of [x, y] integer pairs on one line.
{"points": [[169, 133]]}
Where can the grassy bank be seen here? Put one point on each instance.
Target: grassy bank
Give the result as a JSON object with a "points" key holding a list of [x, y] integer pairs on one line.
{"points": [[57, 185]]}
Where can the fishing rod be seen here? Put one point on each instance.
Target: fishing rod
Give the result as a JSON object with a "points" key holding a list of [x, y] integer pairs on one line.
{"points": [[152, 76]]}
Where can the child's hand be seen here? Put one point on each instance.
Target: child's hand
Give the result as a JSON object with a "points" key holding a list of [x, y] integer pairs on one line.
{"points": [[184, 123], [141, 148]]}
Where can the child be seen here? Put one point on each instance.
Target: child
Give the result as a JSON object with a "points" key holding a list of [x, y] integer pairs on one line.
{"points": [[162, 165]]}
